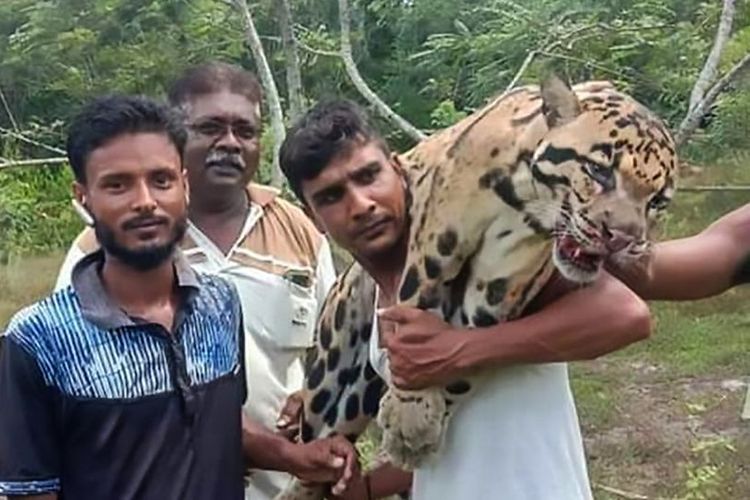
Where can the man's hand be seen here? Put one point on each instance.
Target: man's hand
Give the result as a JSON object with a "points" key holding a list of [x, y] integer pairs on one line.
{"points": [[326, 460], [356, 489], [636, 273], [423, 350], [291, 414]]}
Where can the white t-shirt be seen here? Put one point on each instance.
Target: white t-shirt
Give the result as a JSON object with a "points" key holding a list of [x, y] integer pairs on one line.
{"points": [[516, 437]]}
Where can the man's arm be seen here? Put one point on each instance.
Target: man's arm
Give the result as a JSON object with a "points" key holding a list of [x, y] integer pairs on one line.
{"points": [[583, 324], [29, 440], [324, 460], [381, 482], [697, 267]]}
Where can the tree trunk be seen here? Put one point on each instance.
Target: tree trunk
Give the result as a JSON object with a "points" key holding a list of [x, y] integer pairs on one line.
{"points": [[708, 74], [269, 88], [293, 74], [693, 118], [359, 82]]}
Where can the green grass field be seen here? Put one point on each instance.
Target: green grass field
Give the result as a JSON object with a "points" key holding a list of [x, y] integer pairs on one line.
{"points": [[661, 418]]}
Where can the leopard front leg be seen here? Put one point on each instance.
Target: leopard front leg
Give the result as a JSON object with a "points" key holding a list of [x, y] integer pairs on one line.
{"points": [[342, 391], [414, 423]]}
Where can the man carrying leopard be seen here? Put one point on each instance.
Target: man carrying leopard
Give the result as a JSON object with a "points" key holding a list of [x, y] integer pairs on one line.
{"points": [[517, 436]]}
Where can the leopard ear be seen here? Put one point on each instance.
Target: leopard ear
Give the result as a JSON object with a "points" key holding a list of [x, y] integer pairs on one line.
{"points": [[560, 104]]}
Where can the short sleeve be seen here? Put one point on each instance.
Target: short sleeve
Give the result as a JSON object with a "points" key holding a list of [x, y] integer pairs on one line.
{"points": [[29, 450]]}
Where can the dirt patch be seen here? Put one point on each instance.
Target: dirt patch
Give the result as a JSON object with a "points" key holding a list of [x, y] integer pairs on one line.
{"points": [[678, 439]]}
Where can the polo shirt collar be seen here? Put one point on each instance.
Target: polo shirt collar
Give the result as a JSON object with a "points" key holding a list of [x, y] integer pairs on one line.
{"points": [[96, 304]]}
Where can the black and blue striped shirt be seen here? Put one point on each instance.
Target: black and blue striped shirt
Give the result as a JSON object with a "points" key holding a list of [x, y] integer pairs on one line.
{"points": [[95, 404]]}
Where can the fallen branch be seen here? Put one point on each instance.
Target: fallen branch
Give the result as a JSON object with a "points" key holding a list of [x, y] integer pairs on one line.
{"points": [[699, 189], [28, 140], [711, 66], [361, 85], [34, 163], [620, 493], [693, 118]]}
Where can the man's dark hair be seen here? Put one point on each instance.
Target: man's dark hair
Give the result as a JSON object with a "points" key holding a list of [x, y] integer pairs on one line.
{"points": [[213, 77], [108, 117], [329, 129]]}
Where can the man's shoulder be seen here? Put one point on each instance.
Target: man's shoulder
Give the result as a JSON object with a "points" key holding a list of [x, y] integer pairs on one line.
{"points": [[217, 292], [86, 241], [288, 213], [34, 326]]}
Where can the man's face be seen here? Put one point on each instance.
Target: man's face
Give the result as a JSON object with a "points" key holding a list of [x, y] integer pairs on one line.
{"points": [[135, 191], [223, 146], [359, 200]]}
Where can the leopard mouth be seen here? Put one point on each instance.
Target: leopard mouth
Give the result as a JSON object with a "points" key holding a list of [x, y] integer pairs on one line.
{"points": [[577, 261]]}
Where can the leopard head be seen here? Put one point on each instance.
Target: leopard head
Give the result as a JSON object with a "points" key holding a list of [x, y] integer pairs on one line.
{"points": [[610, 165]]}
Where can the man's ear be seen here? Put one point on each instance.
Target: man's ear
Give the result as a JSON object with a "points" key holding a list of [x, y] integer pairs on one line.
{"points": [[186, 186], [79, 203], [398, 166]]}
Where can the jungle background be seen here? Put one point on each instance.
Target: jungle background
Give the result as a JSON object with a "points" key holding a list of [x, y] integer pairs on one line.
{"points": [[661, 419]]}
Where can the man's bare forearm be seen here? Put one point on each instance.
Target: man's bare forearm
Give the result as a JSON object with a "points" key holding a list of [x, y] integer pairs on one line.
{"points": [[387, 480], [582, 325], [262, 448], [697, 267]]}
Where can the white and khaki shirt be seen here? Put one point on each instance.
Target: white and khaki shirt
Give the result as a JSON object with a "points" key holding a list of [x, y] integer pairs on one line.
{"points": [[282, 268]]}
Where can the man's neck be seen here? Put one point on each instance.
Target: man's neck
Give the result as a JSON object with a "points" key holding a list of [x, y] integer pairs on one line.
{"points": [[219, 204], [134, 290], [221, 220], [387, 271]]}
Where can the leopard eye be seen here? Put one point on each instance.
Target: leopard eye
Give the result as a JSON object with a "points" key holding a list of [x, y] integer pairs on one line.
{"points": [[603, 175], [658, 202]]}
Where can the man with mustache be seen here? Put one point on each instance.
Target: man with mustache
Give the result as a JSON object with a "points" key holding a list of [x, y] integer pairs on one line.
{"points": [[129, 383], [280, 264]]}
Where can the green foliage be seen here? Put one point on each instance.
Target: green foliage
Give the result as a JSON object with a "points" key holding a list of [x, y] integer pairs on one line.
{"points": [[35, 214], [433, 61]]}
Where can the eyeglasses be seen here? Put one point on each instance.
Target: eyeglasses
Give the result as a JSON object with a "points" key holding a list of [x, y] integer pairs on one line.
{"points": [[214, 129]]}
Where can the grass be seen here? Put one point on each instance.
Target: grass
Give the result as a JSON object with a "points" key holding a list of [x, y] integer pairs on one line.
{"points": [[661, 418], [24, 280]]}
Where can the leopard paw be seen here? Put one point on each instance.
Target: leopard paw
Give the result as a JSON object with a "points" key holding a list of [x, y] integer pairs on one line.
{"points": [[413, 425]]}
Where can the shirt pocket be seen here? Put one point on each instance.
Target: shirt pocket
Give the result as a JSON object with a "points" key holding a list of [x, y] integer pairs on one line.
{"points": [[302, 318], [281, 310]]}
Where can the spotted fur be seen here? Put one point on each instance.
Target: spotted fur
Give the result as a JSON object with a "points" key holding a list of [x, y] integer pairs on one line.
{"points": [[499, 201]]}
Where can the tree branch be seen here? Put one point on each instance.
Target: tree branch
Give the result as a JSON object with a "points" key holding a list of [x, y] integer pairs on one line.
{"points": [[319, 52], [524, 66], [28, 140], [711, 66], [361, 85], [293, 74], [33, 163], [269, 86], [693, 118], [12, 119]]}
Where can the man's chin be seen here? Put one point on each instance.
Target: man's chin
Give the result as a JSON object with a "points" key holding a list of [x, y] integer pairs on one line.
{"points": [[143, 258], [377, 249], [141, 255], [225, 177]]}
